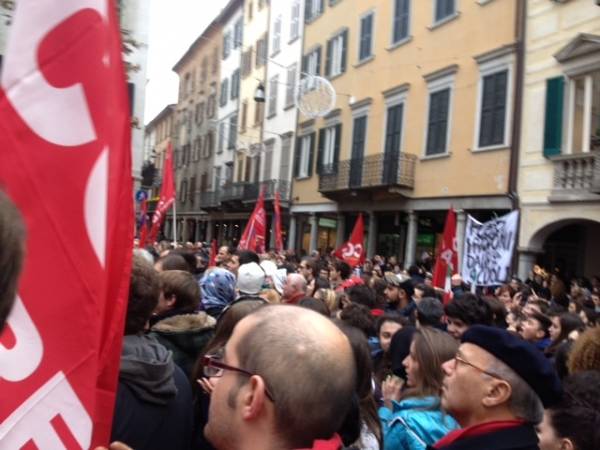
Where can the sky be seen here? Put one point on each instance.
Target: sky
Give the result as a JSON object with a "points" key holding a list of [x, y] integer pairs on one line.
{"points": [[174, 25]]}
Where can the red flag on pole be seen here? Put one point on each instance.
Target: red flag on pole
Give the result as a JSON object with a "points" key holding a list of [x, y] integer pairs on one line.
{"points": [[143, 229], [212, 259], [446, 263], [278, 236], [167, 195], [353, 251], [253, 237], [65, 152]]}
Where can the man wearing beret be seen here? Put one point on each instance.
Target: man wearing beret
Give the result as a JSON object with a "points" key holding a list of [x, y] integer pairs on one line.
{"points": [[496, 387]]}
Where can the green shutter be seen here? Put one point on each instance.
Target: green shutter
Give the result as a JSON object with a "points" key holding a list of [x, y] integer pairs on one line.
{"points": [[297, 157], [311, 153], [336, 147], [320, 149], [554, 116]]}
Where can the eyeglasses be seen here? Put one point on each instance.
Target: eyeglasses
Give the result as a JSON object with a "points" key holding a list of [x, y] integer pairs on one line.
{"points": [[458, 358], [213, 368]]}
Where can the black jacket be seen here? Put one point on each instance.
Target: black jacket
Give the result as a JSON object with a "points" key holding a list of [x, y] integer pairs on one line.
{"points": [[518, 438]]}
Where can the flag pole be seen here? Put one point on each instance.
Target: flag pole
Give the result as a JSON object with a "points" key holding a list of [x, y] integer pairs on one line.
{"points": [[175, 224]]}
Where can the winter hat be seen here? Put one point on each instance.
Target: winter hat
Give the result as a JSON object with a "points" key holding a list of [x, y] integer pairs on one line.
{"points": [[217, 288], [251, 278]]}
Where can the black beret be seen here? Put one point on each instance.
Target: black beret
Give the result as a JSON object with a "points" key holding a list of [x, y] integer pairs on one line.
{"points": [[521, 356]]}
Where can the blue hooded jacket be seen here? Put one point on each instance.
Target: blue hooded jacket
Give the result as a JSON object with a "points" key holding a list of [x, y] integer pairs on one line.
{"points": [[415, 423]]}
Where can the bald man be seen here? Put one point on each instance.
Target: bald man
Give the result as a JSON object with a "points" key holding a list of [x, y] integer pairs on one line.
{"points": [[285, 379], [294, 289]]}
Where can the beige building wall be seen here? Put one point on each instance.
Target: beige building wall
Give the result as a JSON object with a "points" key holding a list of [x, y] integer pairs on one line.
{"points": [[477, 29]]}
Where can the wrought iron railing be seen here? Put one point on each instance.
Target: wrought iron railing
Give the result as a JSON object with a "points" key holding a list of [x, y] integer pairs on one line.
{"points": [[396, 169], [270, 187], [577, 172], [209, 199], [233, 191]]}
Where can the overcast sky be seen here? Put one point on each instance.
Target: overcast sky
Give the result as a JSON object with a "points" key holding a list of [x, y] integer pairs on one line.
{"points": [[174, 25]]}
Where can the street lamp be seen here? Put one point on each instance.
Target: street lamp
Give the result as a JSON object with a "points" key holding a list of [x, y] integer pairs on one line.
{"points": [[259, 94]]}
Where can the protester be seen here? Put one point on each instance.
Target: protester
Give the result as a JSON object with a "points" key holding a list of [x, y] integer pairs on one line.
{"points": [[386, 327], [536, 330], [223, 256], [329, 298], [465, 311], [171, 262], [294, 289], [496, 387], [250, 280], [561, 327], [284, 380], [412, 418], [217, 288], [585, 353], [153, 408], [429, 313], [308, 269], [339, 272]]}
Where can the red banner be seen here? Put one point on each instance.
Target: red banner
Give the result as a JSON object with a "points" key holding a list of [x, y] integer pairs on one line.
{"points": [[167, 195], [278, 236], [253, 237], [353, 251], [65, 152], [446, 263]]}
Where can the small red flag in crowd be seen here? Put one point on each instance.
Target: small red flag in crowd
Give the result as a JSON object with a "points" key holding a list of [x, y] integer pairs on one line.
{"points": [[278, 236], [253, 237], [212, 259], [167, 195], [446, 263], [353, 251], [65, 147]]}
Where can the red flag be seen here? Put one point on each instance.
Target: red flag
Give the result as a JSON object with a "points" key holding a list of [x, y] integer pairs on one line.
{"points": [[353, 251], [143, 231], [167, 195], [278, 237], [212, 259], [253, 237], [446, 263], [65, 152]]}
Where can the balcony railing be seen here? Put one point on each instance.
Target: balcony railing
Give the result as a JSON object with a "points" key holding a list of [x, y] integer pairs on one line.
{"points": [[270, 187], [576, 175], [375, 171], [209, 199], [233, 192]]}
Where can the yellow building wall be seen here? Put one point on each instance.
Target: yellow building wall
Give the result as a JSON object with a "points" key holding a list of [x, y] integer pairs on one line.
{"points": [[477, 29]]}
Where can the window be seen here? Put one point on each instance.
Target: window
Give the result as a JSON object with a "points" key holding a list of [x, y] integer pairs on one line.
{"points": [[244, 121], [183, 192], [492, 119], [313, 9], [336, 54], [303, 160], [359, 136], [284, 163], [329, 149], [273, 88], [228, 172], [393, 142], [199, 113], [192, 189], [261, 52], [203, 69], [187, 86], [197, 148], [267, 168], [250, 10], [290, 89], [246, 63], [215, 60], [437, 124], [231, 141], [312, 62], [444, 9], [235, 84], [224, 92], [217, 178], [222, 137], [276, 36], [295, 22], [258, 113], [209, 142], [238, 33], [226, 44], [365, 48], [210, 109], [401, 20]]}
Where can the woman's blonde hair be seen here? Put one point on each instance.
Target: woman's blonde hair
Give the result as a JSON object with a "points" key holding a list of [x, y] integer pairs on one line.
{"points": [[329, 298]]}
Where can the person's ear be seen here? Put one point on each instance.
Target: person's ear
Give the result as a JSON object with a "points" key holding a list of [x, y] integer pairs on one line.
{"points": [[497, 393], [171, 300], [566, 444], [254, 398]]}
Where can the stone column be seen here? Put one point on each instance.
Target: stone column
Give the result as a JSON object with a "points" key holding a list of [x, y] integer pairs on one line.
{"points": [[184, 230], [526, 262], [314, 232], [221, 233], [461, 223], [372, 236], [272, 234], [587, 113], [209, 230], [411, 239], [341, 230], [291, 242]]}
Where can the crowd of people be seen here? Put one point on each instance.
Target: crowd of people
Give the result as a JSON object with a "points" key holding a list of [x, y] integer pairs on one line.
{"points": [[276, 351]]}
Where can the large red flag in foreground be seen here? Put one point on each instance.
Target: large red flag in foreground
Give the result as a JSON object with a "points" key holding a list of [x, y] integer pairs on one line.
{"points": [[167, 196], [353, 251], [65, 161], [278, 236], [446, 263], [253, 237]]}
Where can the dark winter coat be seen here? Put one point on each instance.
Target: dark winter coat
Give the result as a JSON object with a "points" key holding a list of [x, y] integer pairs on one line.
{"points": [[153, 409], [516, 438]]}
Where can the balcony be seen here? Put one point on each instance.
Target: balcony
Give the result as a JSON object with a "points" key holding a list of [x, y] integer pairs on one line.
{"points": [[384, 173], [270, 187], [576, 177], [209, 200], [234, 192]]}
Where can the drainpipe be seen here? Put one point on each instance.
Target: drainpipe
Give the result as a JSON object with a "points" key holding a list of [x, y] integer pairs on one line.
{"points": [[515, 148]]}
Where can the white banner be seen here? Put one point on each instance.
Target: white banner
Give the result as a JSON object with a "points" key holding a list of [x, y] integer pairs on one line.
{"points": [[488, 250]]}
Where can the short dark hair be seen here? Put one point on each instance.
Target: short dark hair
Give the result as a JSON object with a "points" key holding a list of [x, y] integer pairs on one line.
{"points": [[247, 256], [427, 290], [430, 312], [173, 261], [543, 320], [315, 304], [311, 263], [363, 295], [470, 309], [188, 256], [359, 316], [12, 254], [183, 286], [343, 268], [144, 291], [390, 317]]}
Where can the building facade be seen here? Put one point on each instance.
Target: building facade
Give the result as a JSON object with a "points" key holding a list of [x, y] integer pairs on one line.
{"points": [[422, 121], [559, 173]]}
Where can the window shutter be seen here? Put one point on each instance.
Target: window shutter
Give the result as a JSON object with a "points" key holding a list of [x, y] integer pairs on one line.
{"points": [[321, 6], [336, 148], [304, 63], [554, 116], [308, 11], [297, 157], [344, 49], [320, 151], [311, 154], [318, 70], [328, 57]]}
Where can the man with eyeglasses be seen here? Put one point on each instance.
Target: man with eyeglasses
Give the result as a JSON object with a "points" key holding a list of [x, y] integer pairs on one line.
{"points": [[496, 387], [284, 379]]}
